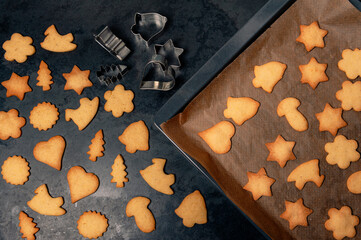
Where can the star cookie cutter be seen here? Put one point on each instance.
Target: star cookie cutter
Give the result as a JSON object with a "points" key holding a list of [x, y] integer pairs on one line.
{"points": [[170, 53], [112, 43], [166, 64], [111, 74], [148, 25], [157, 77]]}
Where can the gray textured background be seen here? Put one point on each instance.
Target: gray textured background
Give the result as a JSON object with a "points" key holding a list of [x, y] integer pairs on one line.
{"points": [[201, 28]]}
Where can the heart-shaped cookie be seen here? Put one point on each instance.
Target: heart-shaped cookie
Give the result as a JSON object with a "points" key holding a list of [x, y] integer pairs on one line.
{"points": [[50, 152], [219, 137], [81, 183]]}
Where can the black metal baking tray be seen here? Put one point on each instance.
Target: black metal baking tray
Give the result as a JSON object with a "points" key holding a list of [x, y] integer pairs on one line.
{"points": [[239, 42]]}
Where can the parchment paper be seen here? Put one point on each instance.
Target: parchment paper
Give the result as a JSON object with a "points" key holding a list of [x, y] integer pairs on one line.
{"points": [[248, 152]]}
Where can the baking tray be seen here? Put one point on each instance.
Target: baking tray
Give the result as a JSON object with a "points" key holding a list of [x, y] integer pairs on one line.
{"points": [[239, 42]]}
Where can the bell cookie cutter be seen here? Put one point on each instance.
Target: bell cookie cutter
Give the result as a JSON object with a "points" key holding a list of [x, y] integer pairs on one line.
{"points": [[111, 74], [148, 25], [112, 43]]}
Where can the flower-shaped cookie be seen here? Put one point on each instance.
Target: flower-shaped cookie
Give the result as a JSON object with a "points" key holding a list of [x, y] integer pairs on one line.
{"points": [[351, 63], [350, 95], [341, 222], [18, 48], [10, 124], [119, 101], [342, 152]]}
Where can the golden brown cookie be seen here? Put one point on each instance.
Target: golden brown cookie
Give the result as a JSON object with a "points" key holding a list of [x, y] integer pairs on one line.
{"points": [[312, 36], [259, 184], [84, 114], [342, 223], [15, 170], [17, 86], [280, 151], [296, 213], [27, 226], [119, 101], [330, 119], [55, 42], [44, 116], [96, 148], [44, 77], [135, 137], [268, 75], [50, 152], [18, 48], [354, 183], [119, 174], [219, 137], [192, 209], [342, 152], [44, 204], [306, 172], [81, 183], [156, 178], [288, 107], [10, 124], [351, 63], [350, 96], [77, 80], [241, 109], [313, 73], [138, 207], [92, 224]]}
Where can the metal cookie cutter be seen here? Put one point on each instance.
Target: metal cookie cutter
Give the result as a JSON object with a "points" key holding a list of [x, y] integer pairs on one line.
{"points": [[165, 64], [148, 25], [111, 74], [157, 77], [169, 53], [112, 43]]}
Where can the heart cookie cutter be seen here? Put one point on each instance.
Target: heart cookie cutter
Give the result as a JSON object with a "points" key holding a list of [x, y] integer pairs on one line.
{"points": [[112, 43], [148, 25], [111, 74], [165, 63], [157, 77]]}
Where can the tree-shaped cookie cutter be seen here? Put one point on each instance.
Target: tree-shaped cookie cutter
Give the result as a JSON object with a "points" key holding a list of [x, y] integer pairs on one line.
{"points": [[111, 74], [148, 25]]}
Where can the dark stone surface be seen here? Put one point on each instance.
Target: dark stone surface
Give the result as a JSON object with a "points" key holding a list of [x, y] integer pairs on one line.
{"points": [[201, 28]]}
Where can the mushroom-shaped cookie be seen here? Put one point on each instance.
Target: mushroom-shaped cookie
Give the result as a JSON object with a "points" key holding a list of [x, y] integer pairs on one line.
{"points": [[138, 207], [288, 108]]}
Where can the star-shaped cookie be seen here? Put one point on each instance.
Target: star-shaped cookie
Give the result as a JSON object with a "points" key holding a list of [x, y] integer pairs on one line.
{"points": [[259, 184], [296, 213], [77, 80], [312, 36], [17, 86], [330, 119], [280, 151], [313, 73]]}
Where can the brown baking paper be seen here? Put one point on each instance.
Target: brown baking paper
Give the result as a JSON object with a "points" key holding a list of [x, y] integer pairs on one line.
{"points": [[248, 152]]}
